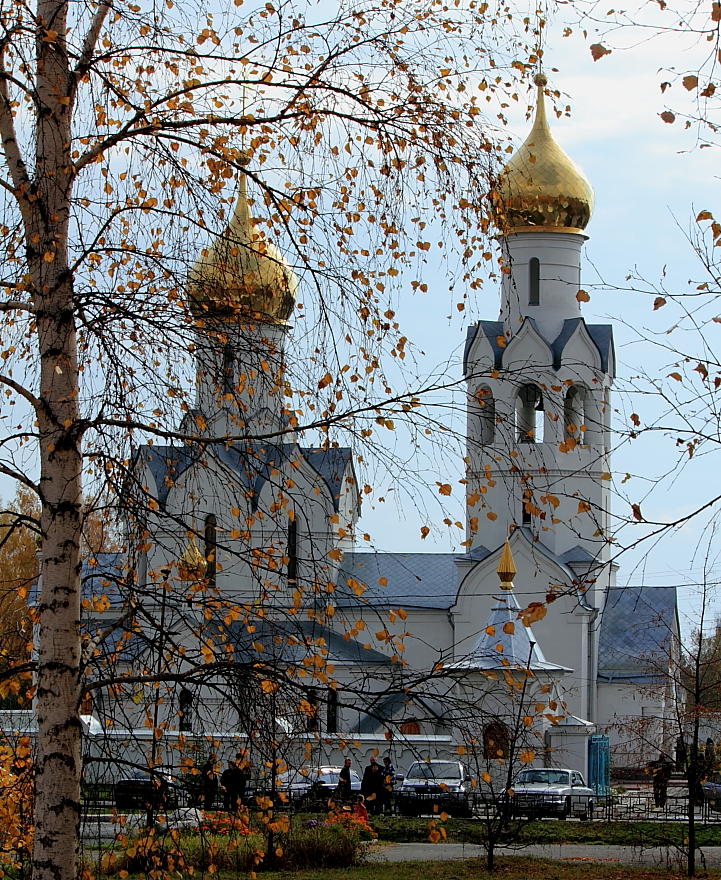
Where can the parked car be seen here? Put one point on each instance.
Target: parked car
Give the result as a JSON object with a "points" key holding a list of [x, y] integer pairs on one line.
{"points": [[434, 787], [552, 791], [312, 786], [143, 789], [712, 791]]}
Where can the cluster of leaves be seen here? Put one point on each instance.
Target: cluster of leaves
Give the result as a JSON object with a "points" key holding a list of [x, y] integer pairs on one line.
{"points": [[16, 825]]}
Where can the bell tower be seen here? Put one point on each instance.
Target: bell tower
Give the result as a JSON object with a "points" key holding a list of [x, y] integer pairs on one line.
{"points": [[539, 377]]}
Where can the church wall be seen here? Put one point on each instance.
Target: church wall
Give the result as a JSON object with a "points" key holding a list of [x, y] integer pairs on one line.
{"points": [[560, 278], [636, 721]]}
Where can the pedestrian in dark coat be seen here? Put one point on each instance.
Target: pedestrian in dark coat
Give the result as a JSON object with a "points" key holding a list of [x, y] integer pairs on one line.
{"points": [[372, 787], [209, 781]]}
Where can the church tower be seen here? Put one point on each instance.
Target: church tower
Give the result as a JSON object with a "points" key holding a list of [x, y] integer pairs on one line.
{"points": [[242, 293], [538, 431], [539, 377]]}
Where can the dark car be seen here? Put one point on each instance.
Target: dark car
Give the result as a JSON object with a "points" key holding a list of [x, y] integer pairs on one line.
{"points": [[143, 789], [712, 791], [312, 787]]}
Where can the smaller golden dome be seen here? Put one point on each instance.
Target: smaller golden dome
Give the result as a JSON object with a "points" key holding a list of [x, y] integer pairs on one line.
{"points": [[506, 569], [242, 273], [192, 563], [540, 188]]}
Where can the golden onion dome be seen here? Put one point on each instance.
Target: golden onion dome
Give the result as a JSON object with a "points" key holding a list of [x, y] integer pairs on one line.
{"points": [[242, 274], [540, 188]]}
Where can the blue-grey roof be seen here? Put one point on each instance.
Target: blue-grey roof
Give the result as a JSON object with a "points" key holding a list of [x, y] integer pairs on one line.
{"points": [[505, 642], [251, 462], [601, 336], [414, 580], [577, 554], [331, 464], [492, 330], [385, 707], [636, 629], [102, 574], [291, 640]]}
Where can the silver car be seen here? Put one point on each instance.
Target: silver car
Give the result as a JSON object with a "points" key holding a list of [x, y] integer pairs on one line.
{"points": [[434, 787], [552, 791]]}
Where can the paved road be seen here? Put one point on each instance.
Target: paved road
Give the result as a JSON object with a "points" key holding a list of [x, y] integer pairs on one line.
{"points": [[626, 855]]}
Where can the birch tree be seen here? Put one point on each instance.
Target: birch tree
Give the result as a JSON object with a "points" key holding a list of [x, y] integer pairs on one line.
{"points": [[123, 126]]}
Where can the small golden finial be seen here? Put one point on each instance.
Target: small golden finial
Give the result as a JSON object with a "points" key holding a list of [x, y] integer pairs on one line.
{"points": [[540, 79], [506, 567], [191, 564]]}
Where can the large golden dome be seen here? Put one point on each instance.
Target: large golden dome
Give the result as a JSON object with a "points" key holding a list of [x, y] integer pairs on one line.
{"points": [[242, 274], [540, 188]]}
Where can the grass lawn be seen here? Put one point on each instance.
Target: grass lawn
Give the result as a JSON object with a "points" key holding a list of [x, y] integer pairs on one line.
{"points": [[396, 829], [517, 868]]}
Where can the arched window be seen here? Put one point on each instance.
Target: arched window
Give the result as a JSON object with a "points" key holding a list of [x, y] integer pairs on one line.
{"points": [[487, 414], [574, 413], [211, 548], [529, 427], [495, 740], [410, 728], [292, 551], [185, 710], [534, 282]]}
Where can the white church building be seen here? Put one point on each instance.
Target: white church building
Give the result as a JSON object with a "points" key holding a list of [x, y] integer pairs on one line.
{"points": [[248, 553]]}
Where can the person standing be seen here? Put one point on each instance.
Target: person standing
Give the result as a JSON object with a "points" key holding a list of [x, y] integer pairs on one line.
{"points": [[232, 781], [388, 771], [209, 781], [661, 771], [344, 787], [372, 786]]}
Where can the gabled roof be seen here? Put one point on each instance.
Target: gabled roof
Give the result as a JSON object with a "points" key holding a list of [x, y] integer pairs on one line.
{"points": [[637, 627], [601, 335], [505, 643], [251, 462], [492, 330], [409, 580]]}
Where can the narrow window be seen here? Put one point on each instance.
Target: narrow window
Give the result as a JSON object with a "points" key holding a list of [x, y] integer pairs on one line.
{"points": [[292, 551], [487, 413], [185, 710], [527, 507], [332, 711], [529, 428], [534, 282], [495, 740], [228, 368], [574, 413], [211, 548], [312, 719]]}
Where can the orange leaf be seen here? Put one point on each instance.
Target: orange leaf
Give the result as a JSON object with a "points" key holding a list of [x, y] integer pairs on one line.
{"points": [[598, 51], [668, 116], [658, 302], [583, 297], [690, 82], [444, 488]]}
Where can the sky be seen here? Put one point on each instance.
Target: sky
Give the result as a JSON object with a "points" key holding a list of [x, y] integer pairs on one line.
{"points": [[650, 180]]}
